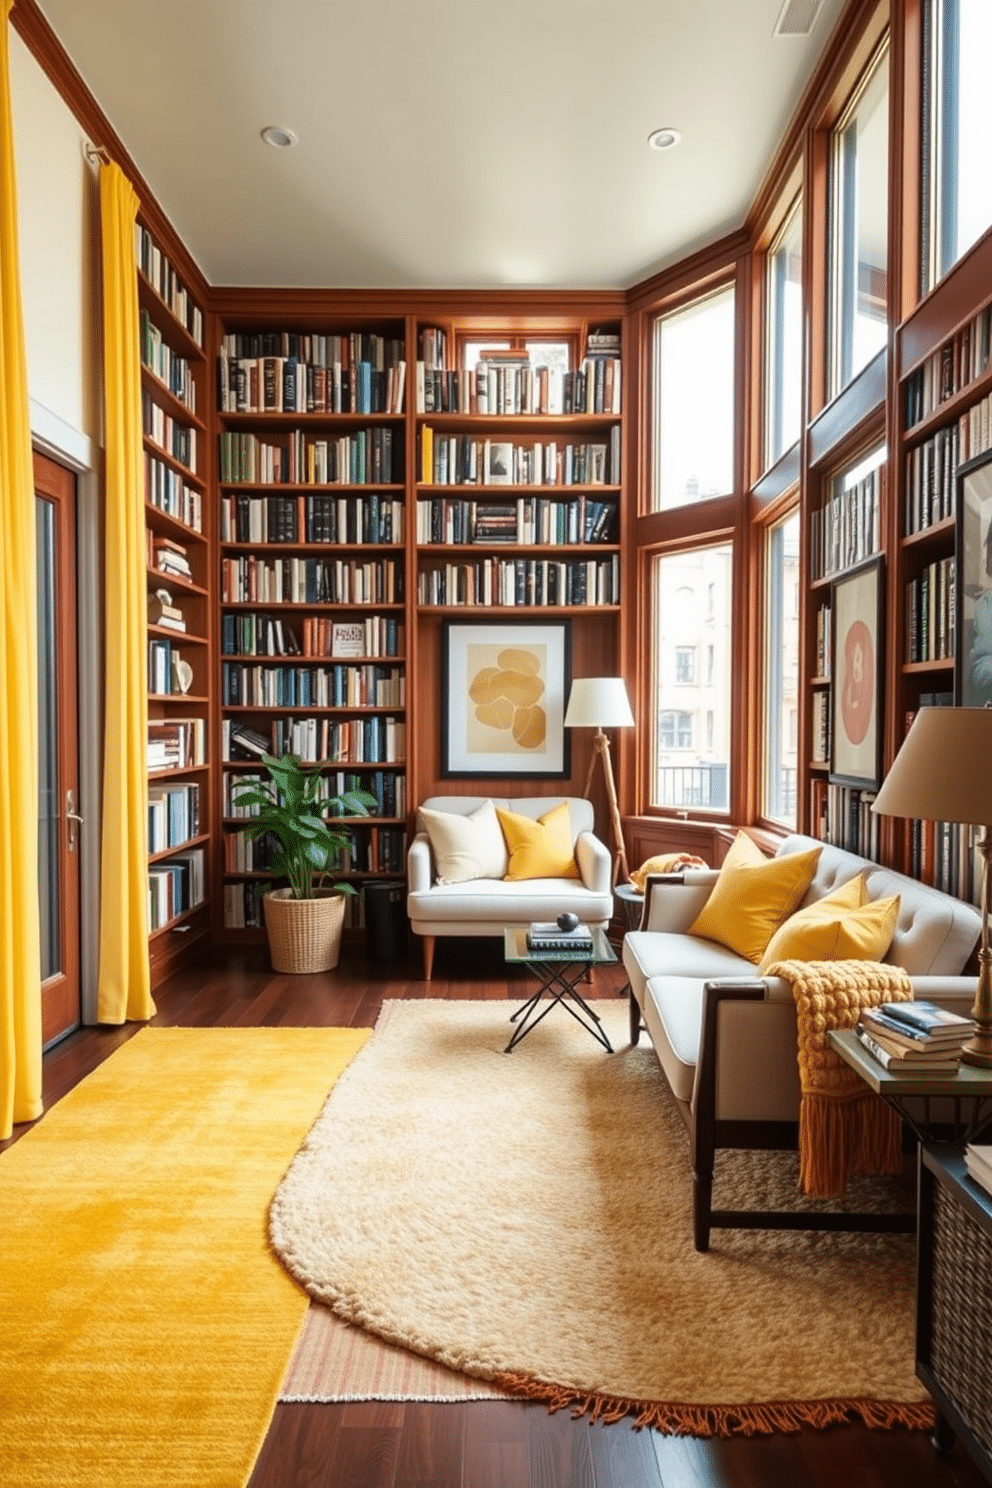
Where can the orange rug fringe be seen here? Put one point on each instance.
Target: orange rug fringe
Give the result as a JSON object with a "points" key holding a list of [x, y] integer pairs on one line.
{"points": [[676, 1419]]}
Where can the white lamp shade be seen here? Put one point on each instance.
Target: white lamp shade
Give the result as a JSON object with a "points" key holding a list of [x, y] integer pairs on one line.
{"points": [[943, 772], [598, 702]]}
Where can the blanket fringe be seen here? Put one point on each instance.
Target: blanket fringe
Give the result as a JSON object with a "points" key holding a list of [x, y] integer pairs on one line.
{"points": [[837, 1137], [675, 1419]]}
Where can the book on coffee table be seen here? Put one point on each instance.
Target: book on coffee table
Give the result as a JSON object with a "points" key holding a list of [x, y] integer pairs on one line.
{"points": [[547, 935]]}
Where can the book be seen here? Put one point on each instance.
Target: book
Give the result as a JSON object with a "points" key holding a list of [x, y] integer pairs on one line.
{"points": [[547, 935], [906, 1061], [906, 1035], [978, 1161], [930, 1019]]}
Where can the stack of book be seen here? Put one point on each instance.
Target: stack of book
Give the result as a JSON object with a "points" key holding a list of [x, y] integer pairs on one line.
{"points": [[914, 1038], [978, 1161], [547, 935]]}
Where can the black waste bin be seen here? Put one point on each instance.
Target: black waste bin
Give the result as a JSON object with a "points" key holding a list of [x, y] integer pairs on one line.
{"points": [[385, 921]]}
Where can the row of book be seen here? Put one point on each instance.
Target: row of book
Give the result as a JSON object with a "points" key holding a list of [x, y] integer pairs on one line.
{"points": [[820, 727], [166, 489], [173, 815], [364, 457], [176, 743], [377, 739], [931, 612], [267, 635], [243, 906], [289, 372], [175, 887], [914, 1038], [376, 518], [167, 365], [507, 383], [465, 460], [842, 815], [172, 437], [252, 580], [371, 849], [157, 269], [370, 686], [823, 658], [522, 581], [527, 520], [388, 787], [169, 675], [846, 528], [930, 470], [959, 361]]}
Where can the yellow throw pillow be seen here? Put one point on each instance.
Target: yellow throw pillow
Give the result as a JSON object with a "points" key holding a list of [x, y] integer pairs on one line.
{"points": [[752, 896], [542, 848], [831, 930]]}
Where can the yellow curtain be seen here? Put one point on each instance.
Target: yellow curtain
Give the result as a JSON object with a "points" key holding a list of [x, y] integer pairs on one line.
{"points": [[20, 940], [123, 987]]}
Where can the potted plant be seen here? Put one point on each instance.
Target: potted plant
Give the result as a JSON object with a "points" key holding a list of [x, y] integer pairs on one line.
{"points": [[304, 921]]}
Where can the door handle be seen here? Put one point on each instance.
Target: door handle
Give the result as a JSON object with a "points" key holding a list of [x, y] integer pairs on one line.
{"points": [[72, 817]]}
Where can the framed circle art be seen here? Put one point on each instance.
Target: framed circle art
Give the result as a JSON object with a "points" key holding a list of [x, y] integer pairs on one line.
{"points": [[858, 624]]}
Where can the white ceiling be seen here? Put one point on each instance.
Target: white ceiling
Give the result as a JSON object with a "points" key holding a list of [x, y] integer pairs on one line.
{"points": [[444, 143]]}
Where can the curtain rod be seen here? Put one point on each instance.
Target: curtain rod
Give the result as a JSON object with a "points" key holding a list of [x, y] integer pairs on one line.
{"points": [[94, 153]]}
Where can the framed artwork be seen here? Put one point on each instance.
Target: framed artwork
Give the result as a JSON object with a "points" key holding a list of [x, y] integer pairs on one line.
{"points": [[504, 689], [858, 623], [972, 607]]}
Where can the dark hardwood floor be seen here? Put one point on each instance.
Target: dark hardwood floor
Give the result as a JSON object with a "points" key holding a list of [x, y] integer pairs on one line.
{"points": [[483, 1444]]}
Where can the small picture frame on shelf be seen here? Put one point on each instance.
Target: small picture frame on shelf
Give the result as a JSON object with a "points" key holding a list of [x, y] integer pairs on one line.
{"points": [[348, 638], [503, 690], [972, 608], [856, 681]]}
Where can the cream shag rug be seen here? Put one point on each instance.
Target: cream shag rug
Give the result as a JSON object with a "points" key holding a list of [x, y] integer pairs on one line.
{"points": [[525, 1219]]}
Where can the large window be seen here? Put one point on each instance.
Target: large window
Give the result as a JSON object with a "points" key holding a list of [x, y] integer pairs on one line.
{"points": [[859, 229], [784, 339], [781, 670], [957, 195], [691, 606], [693, 436]]}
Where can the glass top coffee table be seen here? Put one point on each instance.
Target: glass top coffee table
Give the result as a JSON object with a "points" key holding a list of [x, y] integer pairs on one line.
{"points": [[558, 972]]}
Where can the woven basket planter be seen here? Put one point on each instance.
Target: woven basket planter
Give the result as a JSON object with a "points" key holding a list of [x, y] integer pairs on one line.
{"points": [[304, 934]]}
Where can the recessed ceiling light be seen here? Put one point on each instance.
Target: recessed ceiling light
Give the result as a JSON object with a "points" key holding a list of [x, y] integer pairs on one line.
{"points": [[278, 136], [664, 139]]}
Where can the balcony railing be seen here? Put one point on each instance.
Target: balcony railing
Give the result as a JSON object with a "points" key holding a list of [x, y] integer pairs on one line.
{"points": [[689, 787]]}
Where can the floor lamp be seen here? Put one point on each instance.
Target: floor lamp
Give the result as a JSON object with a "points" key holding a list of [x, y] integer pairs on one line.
{"points": [[602, 703], [942, 774]]}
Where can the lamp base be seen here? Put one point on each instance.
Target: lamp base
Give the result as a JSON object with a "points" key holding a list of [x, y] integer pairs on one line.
{"points": [[978, 1049]]}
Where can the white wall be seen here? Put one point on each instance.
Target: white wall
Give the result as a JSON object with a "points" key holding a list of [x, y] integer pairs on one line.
{"points": [[58, 213]]}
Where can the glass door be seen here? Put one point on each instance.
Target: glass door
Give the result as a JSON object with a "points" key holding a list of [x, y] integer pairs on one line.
{"points": [[59, 822]]}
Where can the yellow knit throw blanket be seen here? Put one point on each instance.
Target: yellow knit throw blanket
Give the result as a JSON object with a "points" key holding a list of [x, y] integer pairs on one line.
{"points": [[844, 1127]]}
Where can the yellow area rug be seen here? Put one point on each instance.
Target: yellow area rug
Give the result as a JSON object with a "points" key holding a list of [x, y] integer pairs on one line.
{"points": [[144, 1323], [530, 1224]]}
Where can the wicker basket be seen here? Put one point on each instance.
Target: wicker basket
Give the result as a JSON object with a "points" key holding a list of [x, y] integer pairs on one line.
{"points": [[304, 934]]}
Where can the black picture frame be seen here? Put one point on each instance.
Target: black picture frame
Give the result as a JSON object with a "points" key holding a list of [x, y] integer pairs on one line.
{"points": [[857, 675], [492, 727], [971, 574]]}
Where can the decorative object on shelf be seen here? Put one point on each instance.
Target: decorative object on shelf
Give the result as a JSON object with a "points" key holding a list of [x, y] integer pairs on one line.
{"points": [[503, 690], [972, 605], [856, 687], [940, 774], [303, 922], [602, 703]]}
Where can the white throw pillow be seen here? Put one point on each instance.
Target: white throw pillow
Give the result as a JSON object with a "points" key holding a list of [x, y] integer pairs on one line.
{"points": [[466, 847]]}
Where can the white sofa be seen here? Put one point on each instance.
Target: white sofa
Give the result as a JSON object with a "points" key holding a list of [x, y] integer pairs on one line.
{"points": [[726, 1038], [484, 906]]}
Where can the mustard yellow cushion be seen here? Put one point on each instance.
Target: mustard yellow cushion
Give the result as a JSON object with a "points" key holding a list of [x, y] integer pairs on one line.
{"points": [[836, 928], [752, 896], [542, 848]]}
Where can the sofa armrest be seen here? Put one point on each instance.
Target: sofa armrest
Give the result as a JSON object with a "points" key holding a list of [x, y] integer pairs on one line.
{"points": [[956, 993], [673, 900], [419, 868], [595, 863]]}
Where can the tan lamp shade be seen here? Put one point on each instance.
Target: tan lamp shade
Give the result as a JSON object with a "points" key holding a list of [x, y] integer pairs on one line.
{"points": [[943, 772]]}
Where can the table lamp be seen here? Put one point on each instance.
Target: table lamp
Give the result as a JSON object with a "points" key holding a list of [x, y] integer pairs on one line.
{"points": [[602, 703], [943, 772]]}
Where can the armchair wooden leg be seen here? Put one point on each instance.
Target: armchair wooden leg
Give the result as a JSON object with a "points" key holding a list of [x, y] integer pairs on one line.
{"points": [[635, 1017], [702, 1207], [428, 941]]}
